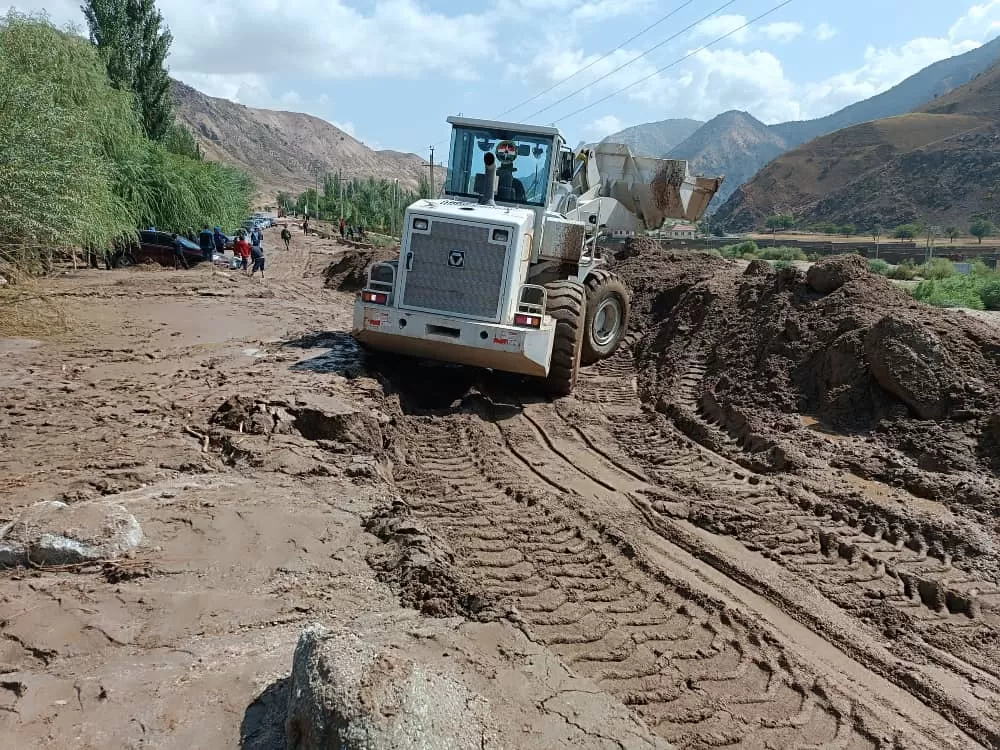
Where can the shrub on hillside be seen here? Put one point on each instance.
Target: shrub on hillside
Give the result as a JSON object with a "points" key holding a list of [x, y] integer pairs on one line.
{"points": [[780, 265]]}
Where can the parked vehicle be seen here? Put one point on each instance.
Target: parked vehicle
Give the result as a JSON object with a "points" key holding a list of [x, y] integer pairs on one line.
{"points": [[159, 248]]}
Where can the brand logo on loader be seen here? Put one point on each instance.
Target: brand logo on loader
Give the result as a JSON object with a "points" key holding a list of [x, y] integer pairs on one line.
{"points": [[456, 259]]}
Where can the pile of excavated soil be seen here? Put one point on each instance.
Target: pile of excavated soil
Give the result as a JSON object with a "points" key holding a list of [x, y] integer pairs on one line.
{"points": [[350, 272], [753, 350]]}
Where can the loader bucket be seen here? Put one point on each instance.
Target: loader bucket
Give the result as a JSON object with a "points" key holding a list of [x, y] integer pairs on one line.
{"points": [[656, 189]]}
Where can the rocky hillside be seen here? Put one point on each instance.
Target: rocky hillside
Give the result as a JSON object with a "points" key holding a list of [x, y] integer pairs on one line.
{"points": [[655, 138], [711, 148], [284, 150], [734, 144], [937, 164]]}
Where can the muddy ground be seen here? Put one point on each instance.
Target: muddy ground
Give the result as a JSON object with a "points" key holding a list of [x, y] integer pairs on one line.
{"points": [[612, 573]]}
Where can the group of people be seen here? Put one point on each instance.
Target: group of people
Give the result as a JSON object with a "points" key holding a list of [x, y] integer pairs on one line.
{"points": [[214, 241], [246, 250], [352, 233]]}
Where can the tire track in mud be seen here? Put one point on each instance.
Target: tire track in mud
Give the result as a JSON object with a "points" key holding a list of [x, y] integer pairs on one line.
{"points": [[870, 567], [698, 672]]}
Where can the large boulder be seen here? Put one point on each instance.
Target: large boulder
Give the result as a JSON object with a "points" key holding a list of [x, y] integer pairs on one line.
{"points": [[829, 274], [348, 693], [55, 533], [911, 363]]}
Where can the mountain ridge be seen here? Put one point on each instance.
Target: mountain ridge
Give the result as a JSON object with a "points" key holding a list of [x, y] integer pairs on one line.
{"points": [[936, 164], [283, 150], [920, 89]]}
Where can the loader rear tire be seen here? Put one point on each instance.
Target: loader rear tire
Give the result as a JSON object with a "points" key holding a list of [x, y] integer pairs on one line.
{"points": [[565, 303], [608, 308]]}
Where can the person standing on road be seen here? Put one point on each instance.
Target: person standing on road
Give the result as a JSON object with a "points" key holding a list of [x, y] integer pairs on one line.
{"points": [[286, 235], [257, 252], [220, 241], [207, 243], [179, 259], [343, 228]]}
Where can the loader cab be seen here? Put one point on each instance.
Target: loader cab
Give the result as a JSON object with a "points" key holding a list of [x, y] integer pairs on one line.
{"points": [[527, 157]]}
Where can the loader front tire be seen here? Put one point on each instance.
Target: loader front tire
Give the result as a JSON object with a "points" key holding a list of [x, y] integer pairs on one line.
{"points": [[608, 308], [565, 303]]}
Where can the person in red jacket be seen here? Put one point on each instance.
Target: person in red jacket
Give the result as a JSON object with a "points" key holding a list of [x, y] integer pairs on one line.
{"points": [[241, 248]]}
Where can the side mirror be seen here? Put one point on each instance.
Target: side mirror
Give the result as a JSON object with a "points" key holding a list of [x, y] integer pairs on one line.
{"points": [[593, 219], [566, 167]]}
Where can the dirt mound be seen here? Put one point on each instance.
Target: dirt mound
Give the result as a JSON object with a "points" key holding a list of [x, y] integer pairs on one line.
{"points": [[751, 352], [830, 273], [658, 279], [349, 274]]}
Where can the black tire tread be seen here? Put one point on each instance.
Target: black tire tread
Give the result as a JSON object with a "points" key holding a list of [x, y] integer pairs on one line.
{"points": [[565, 303], [597, 281]]}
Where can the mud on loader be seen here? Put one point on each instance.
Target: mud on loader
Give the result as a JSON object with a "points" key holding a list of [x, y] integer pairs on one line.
{"points": [[503, 271]]}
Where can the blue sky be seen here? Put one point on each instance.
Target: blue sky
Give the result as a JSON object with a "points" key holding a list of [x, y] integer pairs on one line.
{"points": [[390, 71]]}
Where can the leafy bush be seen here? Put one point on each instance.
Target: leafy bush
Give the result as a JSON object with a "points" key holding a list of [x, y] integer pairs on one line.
{"points": [[989, 293], [781, 253], [905, 271], [813, 257], [937, 268], [879, 266], [782, 264], [980, 269], [953, 291], [742, 250]]}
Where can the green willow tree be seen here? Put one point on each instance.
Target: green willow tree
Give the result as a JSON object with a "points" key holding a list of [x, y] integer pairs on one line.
{"points": [[134, 42]]}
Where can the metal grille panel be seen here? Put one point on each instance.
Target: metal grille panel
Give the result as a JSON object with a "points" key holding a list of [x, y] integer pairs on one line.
{"points": [[472, 288]]}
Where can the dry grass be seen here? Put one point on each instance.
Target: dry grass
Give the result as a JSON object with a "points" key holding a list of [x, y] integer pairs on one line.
{"points": [[26, 309]]}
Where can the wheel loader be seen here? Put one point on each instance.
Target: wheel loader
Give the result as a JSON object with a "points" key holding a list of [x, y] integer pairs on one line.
{"points": [[503, 271]]}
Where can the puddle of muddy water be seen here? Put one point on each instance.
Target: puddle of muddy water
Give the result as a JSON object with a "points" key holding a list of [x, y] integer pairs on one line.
{"points": [[342, 355]]}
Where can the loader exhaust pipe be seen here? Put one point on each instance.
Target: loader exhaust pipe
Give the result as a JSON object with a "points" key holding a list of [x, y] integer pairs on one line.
{"points": [[490, 182]]}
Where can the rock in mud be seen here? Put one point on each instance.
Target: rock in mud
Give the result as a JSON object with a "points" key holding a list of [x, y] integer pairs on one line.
{"points": [[55, 533], [348, 693], [911, 363], [829, 274]]}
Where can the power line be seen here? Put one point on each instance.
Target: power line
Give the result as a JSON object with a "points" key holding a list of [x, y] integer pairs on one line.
{"points": [[591, 64], [637, 57], [678, 61]]}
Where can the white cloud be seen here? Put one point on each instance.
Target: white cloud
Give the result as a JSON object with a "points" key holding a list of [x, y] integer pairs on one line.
{"points": [[713, 28], [331, 40], [603, 126], [883, 68], [825, 32], [782, 31], [604, 10], [981, 23]]}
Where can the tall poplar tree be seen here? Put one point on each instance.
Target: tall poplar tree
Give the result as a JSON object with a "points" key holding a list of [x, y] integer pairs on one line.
{"points": [[134, 41]]}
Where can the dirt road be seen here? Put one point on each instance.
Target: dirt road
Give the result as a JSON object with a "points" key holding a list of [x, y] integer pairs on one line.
{"points": [[714, 605]]}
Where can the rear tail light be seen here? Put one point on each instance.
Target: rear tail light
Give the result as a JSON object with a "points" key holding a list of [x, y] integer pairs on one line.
{"points": [[376, 297], [532, 321]]}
